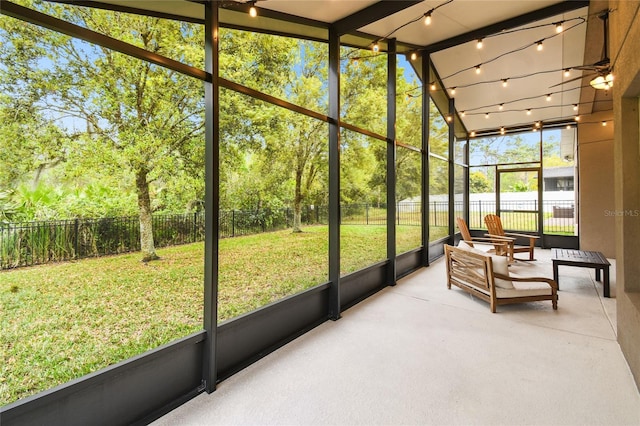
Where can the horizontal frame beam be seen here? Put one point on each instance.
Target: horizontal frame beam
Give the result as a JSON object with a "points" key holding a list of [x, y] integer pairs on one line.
{"points": [[527, 18], [72, 30]]}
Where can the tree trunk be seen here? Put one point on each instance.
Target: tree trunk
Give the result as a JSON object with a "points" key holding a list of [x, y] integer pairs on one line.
{"points": [[147, 247], [297, 204]]}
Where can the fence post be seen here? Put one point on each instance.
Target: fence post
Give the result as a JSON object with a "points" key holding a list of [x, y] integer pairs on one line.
{"points": [[75, 239], [195, 226], [233, 222], [398, 212], [480, 213], [366, 215], [435, 213]]}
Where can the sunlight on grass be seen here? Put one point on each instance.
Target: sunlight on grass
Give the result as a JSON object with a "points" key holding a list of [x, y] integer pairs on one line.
{"points": [[62, 321]]}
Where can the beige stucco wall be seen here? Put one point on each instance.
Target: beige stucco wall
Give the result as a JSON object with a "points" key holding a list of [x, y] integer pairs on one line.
{"points": [[625, 45], [597, 213]]}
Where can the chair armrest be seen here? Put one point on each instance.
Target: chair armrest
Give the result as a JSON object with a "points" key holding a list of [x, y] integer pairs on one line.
{"points": [[492, 241], [500, 237], [535, 237]]}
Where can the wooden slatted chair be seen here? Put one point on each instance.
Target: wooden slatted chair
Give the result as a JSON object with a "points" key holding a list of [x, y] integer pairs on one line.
{"points": [[499, 246], [494, 226]]}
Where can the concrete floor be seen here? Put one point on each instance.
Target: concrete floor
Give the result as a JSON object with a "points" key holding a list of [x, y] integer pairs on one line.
{"points": [[418, 353]]}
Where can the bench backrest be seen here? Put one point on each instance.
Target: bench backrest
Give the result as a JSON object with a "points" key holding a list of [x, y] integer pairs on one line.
{"points": [[468, 268]]}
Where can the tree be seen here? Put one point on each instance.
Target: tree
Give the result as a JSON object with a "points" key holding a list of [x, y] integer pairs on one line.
{"points": [[479, 183], [138, 116]]}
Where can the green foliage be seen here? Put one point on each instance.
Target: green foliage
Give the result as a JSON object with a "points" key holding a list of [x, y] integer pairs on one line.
{"points": [[479, 183]]}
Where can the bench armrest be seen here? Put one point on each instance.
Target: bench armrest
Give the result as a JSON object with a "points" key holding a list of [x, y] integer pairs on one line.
{"points": [[549, 281]]}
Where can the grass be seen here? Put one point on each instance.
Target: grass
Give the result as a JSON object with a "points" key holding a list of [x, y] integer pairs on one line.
{"points": [[62, 321]]}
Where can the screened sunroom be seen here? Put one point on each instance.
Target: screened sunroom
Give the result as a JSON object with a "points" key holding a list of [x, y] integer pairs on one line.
{"points": [[189, 188]]}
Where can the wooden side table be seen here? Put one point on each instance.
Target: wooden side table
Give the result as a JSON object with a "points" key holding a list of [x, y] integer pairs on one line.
{"points": [[581, 259]]}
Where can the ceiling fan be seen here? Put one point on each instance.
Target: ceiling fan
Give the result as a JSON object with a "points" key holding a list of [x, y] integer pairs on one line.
{"points": [[602, 68]]}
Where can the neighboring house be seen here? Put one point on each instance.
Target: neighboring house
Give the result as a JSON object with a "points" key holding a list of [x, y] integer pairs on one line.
{"points": [[558, 178]]}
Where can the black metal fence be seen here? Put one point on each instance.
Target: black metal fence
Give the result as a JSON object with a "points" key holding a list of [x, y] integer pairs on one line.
{"points": [[32, 243], [558, 215]]}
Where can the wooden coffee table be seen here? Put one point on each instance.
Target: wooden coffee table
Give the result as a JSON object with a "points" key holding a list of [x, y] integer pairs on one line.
{"points": [[581, 259]]}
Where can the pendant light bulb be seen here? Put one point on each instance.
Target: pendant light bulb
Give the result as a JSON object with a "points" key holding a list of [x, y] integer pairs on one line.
{"points": [[479, 44], [529, 111], [253, 12], [453, 90], [427, 18], [433, 86], [414, 56], [505, 82], [486, 115], [575, 107], [375, 47], [549, 97], [567, 72], [501, 107], [559, 27], [539, 46], [478, 69]]}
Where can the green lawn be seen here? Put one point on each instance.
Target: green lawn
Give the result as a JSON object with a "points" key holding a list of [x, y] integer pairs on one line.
{"points": [[62, 321]]}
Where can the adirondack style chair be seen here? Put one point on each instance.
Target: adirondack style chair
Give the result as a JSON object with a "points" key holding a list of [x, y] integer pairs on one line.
{"points": [[494, 226], [499, 246]]}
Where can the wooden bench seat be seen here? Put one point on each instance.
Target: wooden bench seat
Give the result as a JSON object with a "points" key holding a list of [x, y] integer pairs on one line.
{"points": [[487, 277]]}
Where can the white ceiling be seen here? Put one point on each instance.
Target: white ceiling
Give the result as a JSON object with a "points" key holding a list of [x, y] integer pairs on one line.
{"points": [[453, 19]]}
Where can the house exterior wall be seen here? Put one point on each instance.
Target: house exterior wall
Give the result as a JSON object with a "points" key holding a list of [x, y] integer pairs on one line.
{"points": [[596, 182], [625, 45]]}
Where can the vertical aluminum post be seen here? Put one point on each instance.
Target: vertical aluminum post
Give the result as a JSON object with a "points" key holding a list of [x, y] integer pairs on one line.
{"points": [[391, 160], [334, 173], [212, 193], [452, 178], [426, 72]]}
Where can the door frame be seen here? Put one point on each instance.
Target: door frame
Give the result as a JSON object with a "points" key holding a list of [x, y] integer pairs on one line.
{"points": [[540, 209]]}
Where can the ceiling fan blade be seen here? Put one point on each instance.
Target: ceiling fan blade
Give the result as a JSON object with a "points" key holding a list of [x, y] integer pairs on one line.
{"points": [[594, 67], [574, 79]]}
